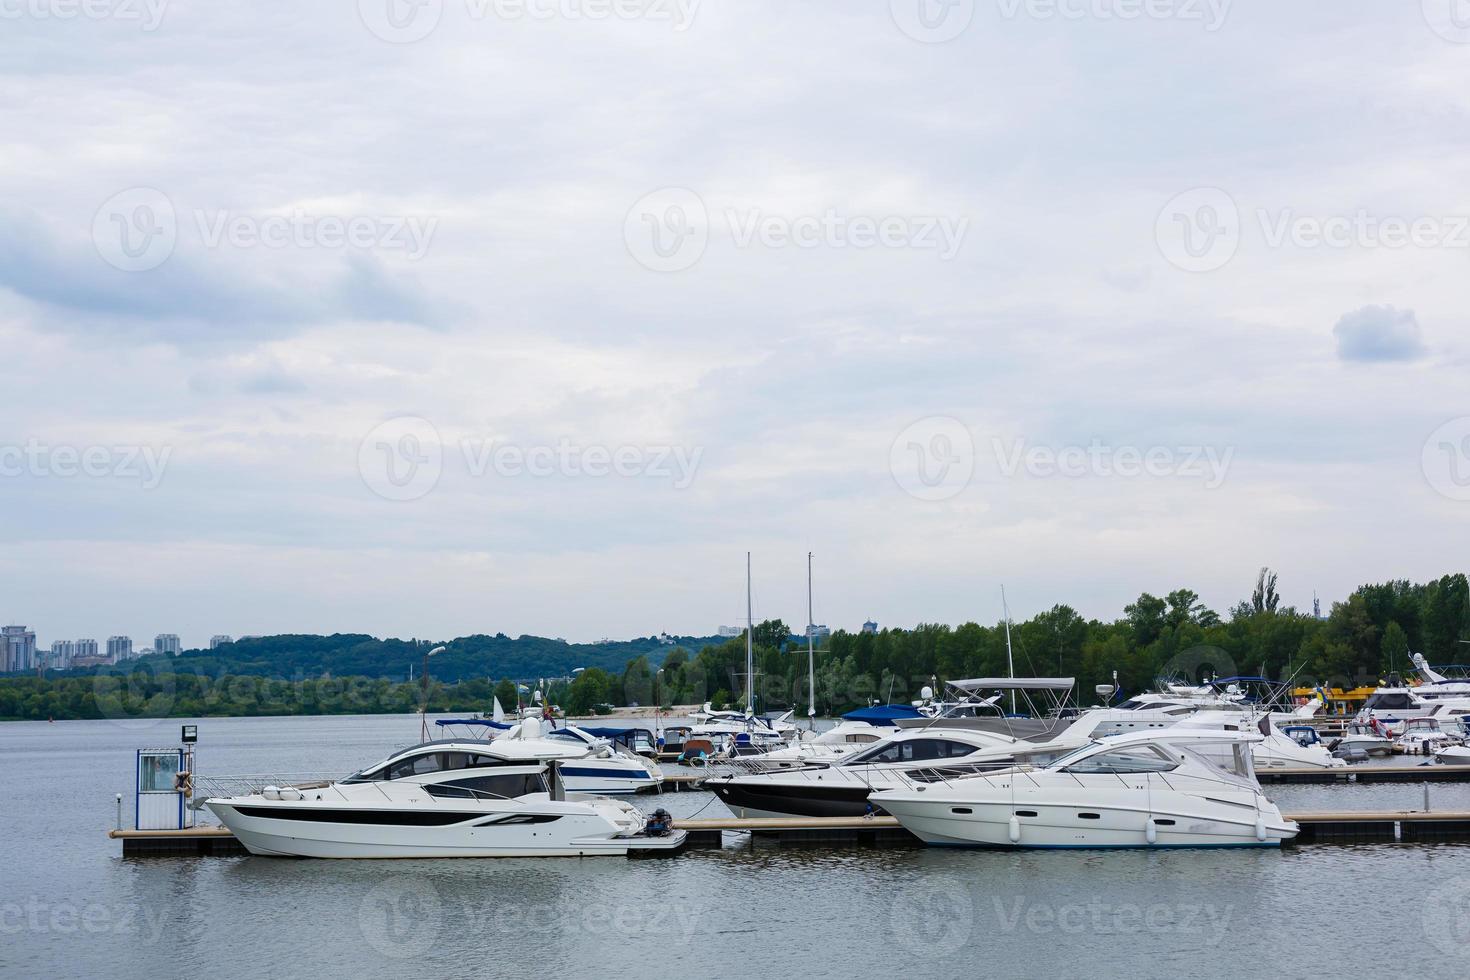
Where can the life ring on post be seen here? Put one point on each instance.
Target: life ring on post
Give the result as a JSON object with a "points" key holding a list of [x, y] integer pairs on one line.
{"points": [[184, 783]]}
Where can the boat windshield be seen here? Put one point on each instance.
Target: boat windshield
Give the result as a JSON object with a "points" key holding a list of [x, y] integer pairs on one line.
{"points": [[1123, 761]]}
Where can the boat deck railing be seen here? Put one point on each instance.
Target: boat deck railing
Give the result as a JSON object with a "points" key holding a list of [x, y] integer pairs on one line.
{"points": [[246, 784]]}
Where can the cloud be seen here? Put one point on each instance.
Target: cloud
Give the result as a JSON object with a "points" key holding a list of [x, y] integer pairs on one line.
{"points": [[196, 297], [1379, 333]]}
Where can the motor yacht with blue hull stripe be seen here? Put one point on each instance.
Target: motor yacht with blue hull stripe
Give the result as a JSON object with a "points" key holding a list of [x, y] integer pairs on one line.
{"points": [[446, 798], [605, 767], [1174, 788]]}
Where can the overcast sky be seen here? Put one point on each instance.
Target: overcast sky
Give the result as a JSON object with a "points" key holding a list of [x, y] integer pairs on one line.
{"points": [[535, 316]]}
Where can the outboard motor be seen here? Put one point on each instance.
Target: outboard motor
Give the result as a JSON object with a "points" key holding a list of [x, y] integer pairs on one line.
{"points": [[660, 823]]}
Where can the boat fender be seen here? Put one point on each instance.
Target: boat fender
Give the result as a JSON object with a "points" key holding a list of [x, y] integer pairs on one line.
{"points": [[1014, 830], [1260, 828], [1151, 831], [271, 792], [290, 793]]}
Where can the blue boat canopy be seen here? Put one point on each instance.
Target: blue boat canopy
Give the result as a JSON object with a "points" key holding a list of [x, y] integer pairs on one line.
{"points": [[474, 721], [883, 714], [615, 732]]}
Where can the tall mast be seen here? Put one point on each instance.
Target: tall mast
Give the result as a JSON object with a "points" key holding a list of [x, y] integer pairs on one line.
{"points": [[1010, 660], [811, 656], [749, 645]]}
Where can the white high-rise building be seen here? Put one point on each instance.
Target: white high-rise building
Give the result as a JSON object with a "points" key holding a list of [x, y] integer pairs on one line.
{"points": [[86, 648], [62, 653], [120, 648], [17, 649], [219, 640], [167, 643]]}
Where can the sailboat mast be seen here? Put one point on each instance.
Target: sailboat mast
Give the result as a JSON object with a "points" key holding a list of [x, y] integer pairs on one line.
{"points": [[811, 656], [749, 645], [1010, 660]]}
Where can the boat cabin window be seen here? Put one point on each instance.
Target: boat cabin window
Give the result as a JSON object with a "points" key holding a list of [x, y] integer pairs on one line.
{"points": [[915, 750], [1136, 759], [507, 786]]}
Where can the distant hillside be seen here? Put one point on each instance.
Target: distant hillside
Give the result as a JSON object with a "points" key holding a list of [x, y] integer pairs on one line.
{"points": [[465, 658]]}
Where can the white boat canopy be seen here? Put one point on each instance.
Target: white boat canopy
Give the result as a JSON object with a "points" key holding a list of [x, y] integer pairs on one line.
{"points": [[1015, 684]]}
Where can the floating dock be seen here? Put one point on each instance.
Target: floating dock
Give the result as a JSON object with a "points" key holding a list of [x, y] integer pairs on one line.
{"points": [[1343, 827], [1367, 773]]}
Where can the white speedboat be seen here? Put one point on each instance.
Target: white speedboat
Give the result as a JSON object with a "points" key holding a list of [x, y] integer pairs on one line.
{"points": [[1424, 736], [1364, 737], [446, 798], [1148, 789]]}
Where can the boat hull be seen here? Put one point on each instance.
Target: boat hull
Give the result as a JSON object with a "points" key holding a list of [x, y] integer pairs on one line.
{"points": [[989, 825], [760, 799], [279, 834]]}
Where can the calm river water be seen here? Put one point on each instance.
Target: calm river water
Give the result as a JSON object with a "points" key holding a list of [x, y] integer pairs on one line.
{"points": [[70, 906]]}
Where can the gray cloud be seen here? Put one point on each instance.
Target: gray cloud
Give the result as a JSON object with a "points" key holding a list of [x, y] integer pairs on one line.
{"points": [[1379, 333]]}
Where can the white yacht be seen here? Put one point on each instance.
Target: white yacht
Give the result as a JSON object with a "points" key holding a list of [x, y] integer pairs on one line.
{"points": [[857, 730], [1366, 737], [446, 798], [841, 788], [605, 767], [1148, 789]]}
